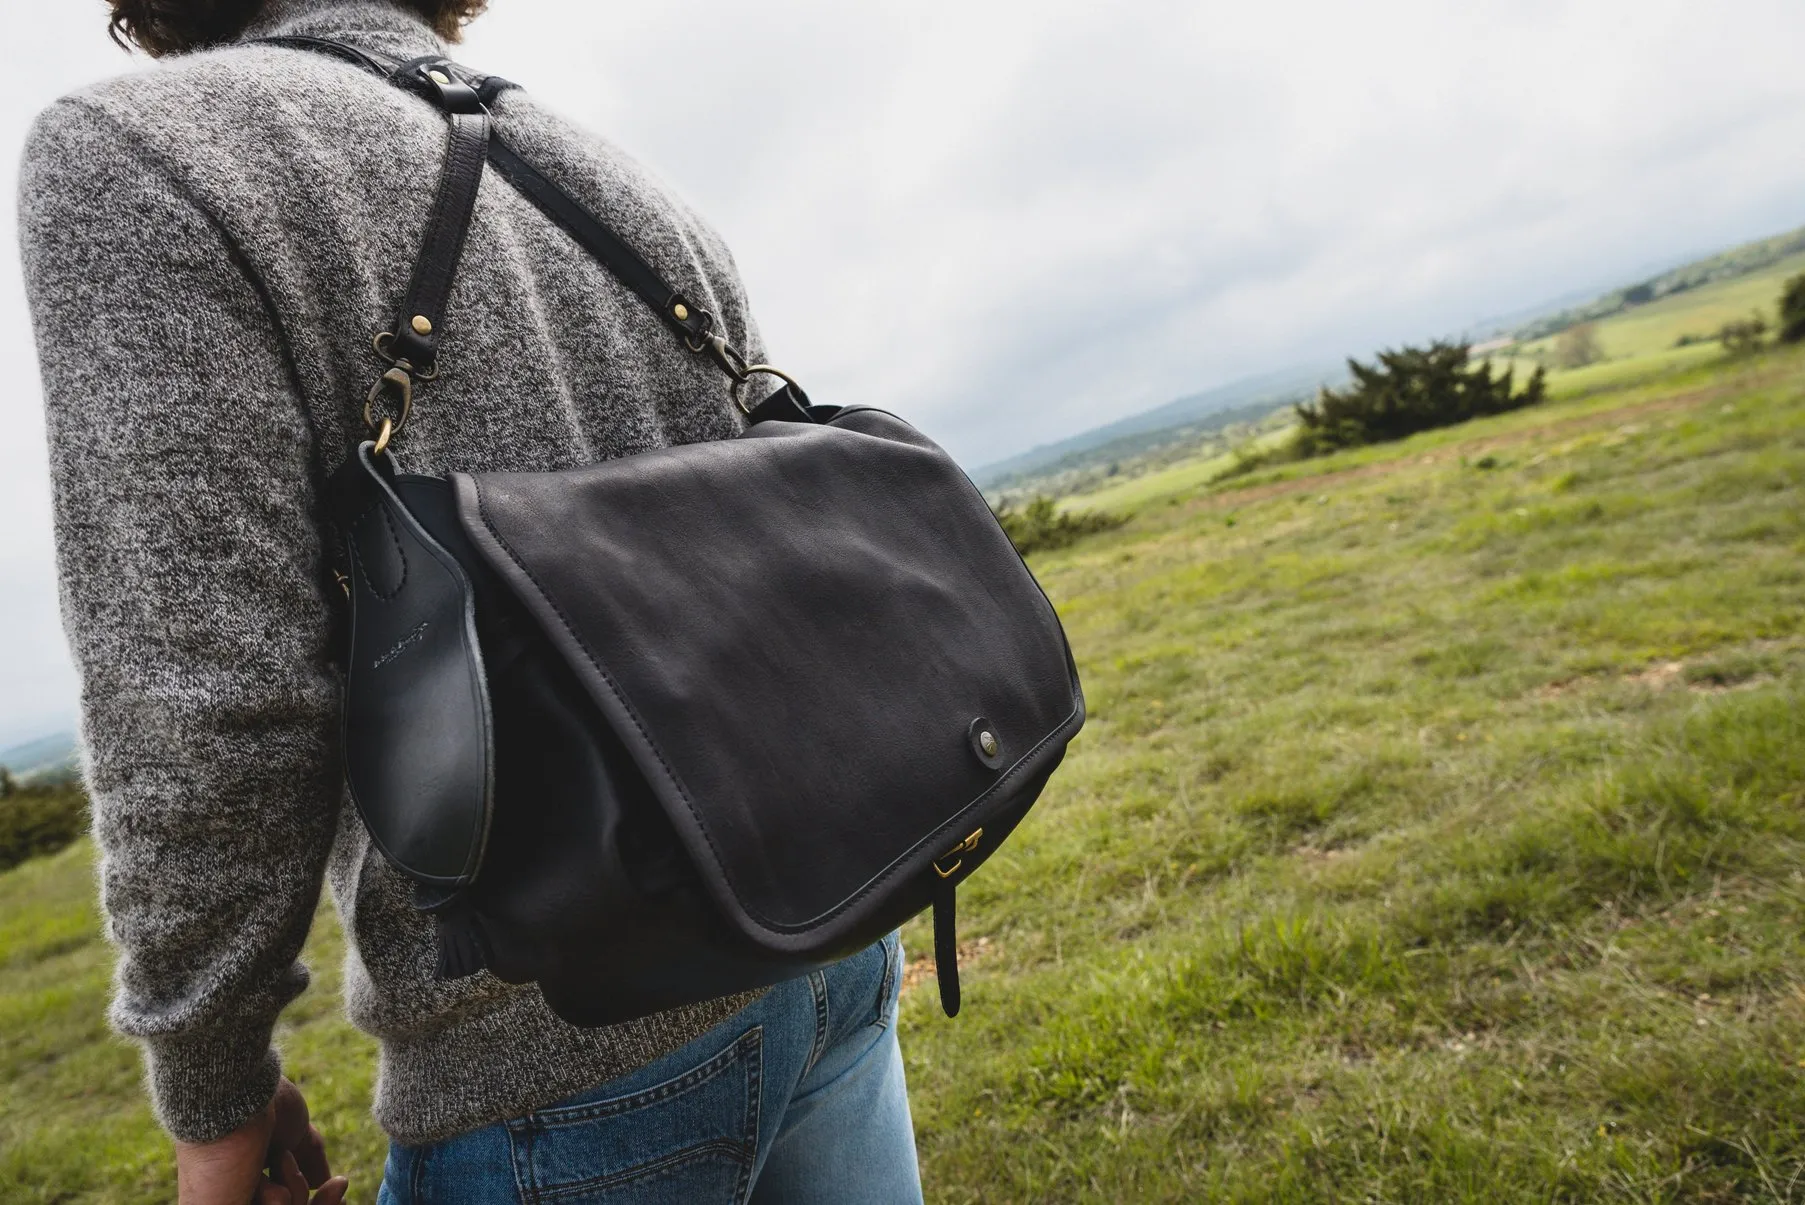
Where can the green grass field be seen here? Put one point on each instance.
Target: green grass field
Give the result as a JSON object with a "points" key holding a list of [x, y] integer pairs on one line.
{"points": [[1438, 835], [1656, 327], [1639, 346]]}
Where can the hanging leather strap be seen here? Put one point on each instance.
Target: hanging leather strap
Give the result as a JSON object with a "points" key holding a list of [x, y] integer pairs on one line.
{"points": [[946, 946]]}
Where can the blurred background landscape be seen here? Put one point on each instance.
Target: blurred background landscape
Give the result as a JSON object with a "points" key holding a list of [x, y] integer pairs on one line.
{"points": [[1439, 830]]}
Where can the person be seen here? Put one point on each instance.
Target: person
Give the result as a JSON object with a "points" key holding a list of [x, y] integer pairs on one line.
{"points": [[208, 247]]}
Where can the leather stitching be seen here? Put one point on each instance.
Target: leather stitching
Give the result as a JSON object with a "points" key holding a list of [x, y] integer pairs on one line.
{"points": [[448, 223], [363, 570]]}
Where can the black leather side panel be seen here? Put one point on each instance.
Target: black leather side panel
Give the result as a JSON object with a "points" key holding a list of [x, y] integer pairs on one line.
{"points": [[792, 634], [417, 729]]}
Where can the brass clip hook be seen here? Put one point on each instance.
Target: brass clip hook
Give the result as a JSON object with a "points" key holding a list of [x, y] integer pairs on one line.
{"points": [[399, 381]]}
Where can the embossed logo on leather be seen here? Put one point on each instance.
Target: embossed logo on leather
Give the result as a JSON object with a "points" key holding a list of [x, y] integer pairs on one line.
{"points": [[401, 646]]}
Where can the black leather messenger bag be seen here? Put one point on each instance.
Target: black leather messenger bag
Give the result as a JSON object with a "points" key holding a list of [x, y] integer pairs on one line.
{"points": [[688, 722]]}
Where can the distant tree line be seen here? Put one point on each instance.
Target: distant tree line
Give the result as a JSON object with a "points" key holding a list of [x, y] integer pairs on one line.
{"points": [[38, 817], [1738, 261]]}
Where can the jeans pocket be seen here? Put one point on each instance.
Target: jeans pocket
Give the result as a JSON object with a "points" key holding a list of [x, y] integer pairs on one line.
{"points": [[890, 985], [691, 1139]]}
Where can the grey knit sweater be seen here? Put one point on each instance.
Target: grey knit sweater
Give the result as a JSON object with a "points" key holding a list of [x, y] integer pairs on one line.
{"points": [[208, 247]]}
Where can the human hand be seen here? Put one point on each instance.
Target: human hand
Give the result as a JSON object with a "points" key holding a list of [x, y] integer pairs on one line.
{"points": [[280, 1139]]}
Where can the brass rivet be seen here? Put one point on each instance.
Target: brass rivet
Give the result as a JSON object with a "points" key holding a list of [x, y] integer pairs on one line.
{"points": [[439, 77], [987, 741], [681, 311], [422, 324]]}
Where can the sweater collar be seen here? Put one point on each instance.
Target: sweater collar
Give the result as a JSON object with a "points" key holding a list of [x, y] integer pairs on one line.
{"points": [[370, 24]]}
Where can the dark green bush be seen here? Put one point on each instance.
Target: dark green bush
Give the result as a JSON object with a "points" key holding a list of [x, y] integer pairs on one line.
{"points": [[1792, 310], [1742, 337], [1041, 525], [39, 819], [1409, 390]]}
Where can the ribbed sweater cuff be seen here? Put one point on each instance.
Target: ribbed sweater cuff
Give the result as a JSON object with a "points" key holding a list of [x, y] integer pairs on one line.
{"points": [[205, 1087]]}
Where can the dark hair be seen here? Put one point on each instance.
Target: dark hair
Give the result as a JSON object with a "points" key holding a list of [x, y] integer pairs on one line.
{"points": [[162, 27]]}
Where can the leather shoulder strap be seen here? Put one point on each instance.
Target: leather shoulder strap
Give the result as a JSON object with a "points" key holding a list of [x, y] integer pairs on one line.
{"points": [[595, 237], [464, 98], [415, 334], [411, 345]]}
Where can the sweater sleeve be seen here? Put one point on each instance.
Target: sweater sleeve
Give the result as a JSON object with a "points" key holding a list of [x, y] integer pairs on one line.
{"points": [[190, 565]]}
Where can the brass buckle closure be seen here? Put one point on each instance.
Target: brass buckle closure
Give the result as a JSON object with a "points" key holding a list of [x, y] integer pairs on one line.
{"points": [[966, 846]]}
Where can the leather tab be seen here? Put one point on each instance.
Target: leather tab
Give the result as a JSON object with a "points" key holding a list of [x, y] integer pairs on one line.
{"points": [[454, 97], [787, 405], [946, 947], [417, 732]]}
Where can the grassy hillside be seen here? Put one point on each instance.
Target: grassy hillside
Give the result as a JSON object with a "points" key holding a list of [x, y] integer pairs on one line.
{"points": [[1656, 327], [1644, 322], [1438, 835], [1736, 262], [1639, 347]]}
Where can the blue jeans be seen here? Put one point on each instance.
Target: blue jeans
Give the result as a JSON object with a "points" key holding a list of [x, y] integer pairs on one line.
{"points": [[798, 1098]]}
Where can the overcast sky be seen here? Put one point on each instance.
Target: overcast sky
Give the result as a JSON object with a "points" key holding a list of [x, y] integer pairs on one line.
{"points": [[1012, 221]]}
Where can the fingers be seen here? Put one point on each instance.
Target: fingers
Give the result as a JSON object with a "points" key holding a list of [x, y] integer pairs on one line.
{"points": [[332, 1192], [310, 1155], [292, 1180], [289, 1109], [293, 1132], [292, 1188]]}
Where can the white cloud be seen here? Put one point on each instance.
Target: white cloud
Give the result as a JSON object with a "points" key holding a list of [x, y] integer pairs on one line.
{"points": [[1012, 221]]}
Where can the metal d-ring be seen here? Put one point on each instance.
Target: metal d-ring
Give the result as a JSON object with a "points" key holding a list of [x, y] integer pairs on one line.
{"points": [[770, 370], [735, 366]]}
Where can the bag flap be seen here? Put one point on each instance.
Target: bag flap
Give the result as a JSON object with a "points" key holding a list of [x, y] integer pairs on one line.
{"points": [[801, 635]]}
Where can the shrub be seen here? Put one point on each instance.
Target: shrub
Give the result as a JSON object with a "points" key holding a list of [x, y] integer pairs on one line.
{"points": [[1406, 391], [1744, 335], [1577, 347], [39, 819], [1792, 310], [1041, 525]]}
